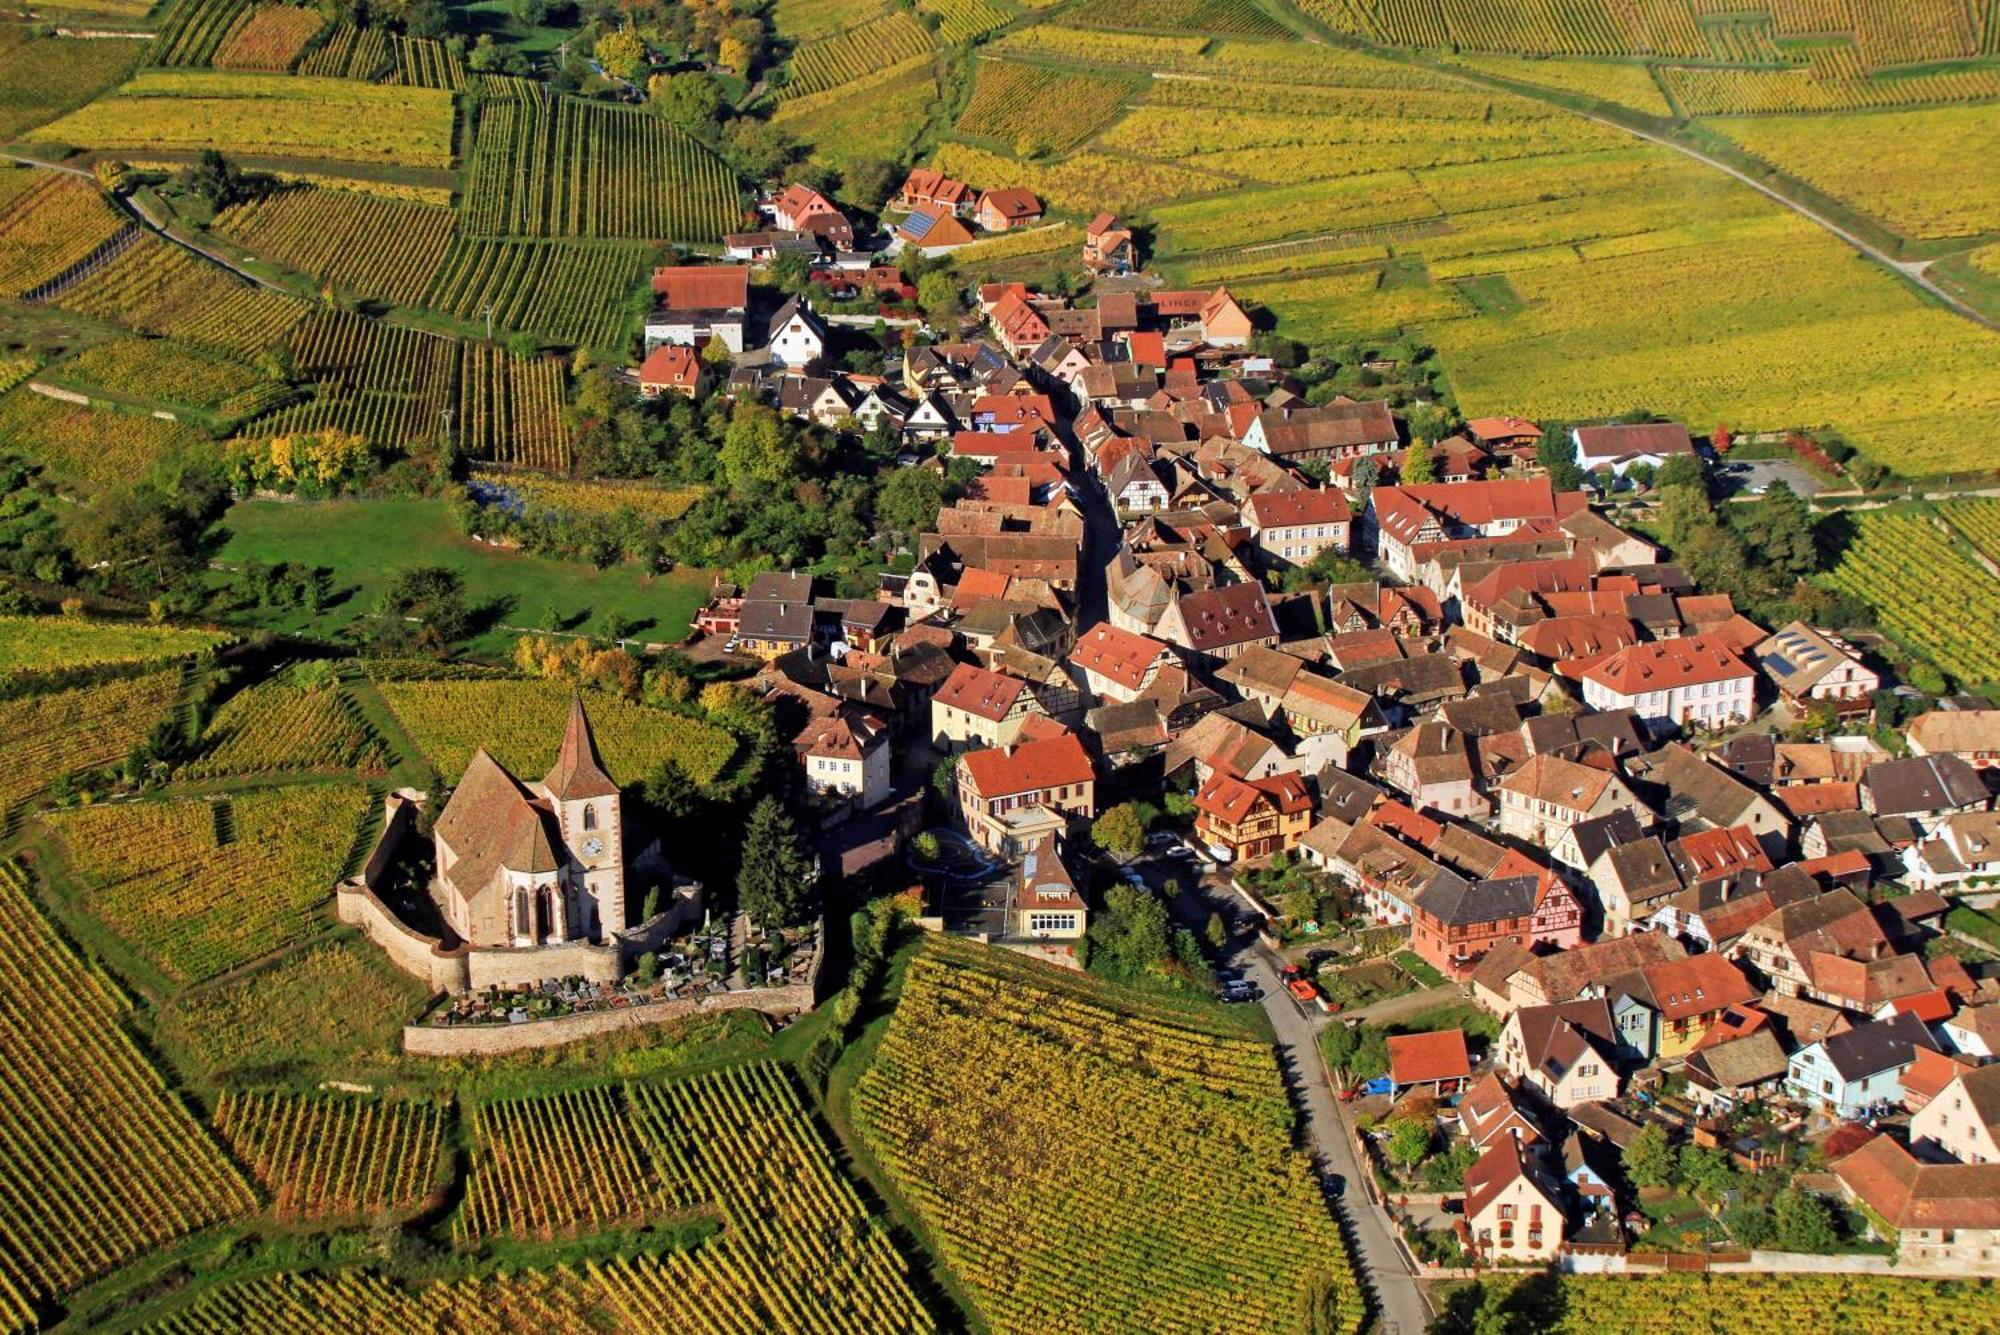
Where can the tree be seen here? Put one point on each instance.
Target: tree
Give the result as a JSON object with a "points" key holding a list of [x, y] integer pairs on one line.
{"points": [[427, 18], [926, 846], [1556, 453], [622, 54], [869, 182], [734, 54], [1409, 1141], [529, 13], [778, 876], [1331, 566], [1801, 1222], [214, 179], [755, 448], [136, 535], [1363, 478], [1779, 529], [937, 293], [691, 100], [1338, 1044], [1419, 464], [1647, 1160], [1217, 931], [1706, 1171], [1300, 905], [1120, 830], [791, 274], [671, 791], [944, 778], [1371, 1058], [1750, 1225], [1683, 470]]}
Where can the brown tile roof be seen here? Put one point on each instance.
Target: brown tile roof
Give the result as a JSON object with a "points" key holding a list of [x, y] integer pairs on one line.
{"points": [[490, 822], [1232, 614], [988, 695], [1908, 1194], [1698, 985], [1121, 655], [1284, 509], [1563, 783], [578, 773]]}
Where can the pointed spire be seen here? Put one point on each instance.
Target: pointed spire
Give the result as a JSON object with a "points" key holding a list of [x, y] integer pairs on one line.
{"points": [[578, 773]]}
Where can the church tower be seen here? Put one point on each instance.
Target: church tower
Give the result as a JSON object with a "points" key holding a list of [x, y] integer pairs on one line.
{"points": [[593, 827]]}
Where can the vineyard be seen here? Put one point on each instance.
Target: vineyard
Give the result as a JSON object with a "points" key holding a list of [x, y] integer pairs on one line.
{"points": [[1977, 521], [350, 53], [1083, 182], [876, 116], [385, 383], [1036, 109], [98, 1162], [336, 1156], [42, 77], [199, 886], [963, 20], [30, 645], [361, 1302], [1626, 84], [86, 449], [566, 291], [49, 226], [290, 722], [1938, 183], [157, 287], [558, 166], [538, 494], [521, 721], [78, 731], [164, 372], [278, 1017], [425, 63], [1833, 81], [1774, 1305], [268, 38], [1005, 1102], [737, 1142], [1230, 18], [830, 62], [1925, 592], [266, 113], [510, 411], [376, 247]]}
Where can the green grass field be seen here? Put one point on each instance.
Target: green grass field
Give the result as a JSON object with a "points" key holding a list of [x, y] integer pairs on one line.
{"points": [[364, 543]]}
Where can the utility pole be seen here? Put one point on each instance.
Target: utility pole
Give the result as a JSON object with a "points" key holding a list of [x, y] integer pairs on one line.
{"points": [[487, 311], [446, 412]]}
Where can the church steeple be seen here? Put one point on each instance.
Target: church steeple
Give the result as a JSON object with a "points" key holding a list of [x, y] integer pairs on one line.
{"points": [[578, 773]]}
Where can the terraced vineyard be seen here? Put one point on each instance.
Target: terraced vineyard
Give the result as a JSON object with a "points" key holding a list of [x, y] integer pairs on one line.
{"points": [[1043, 108], [990, 1066], [424, 63], [377, 247], [558, 166], [510, 411], [191, 30], [830, 62], [197, 886], [520, 722], [570, 292], [351, 53], [963, 20], [79, 731], [99, 1162], [51, 222], [336, 1156], [1926, 592], [33, 645], [1230, 18], [43, 77], [561, 1164], [289, 722], [387, 384], [1771, 1304], [88, 450], [269, 38], [1977, 521], [157, 287], [173, 375]]}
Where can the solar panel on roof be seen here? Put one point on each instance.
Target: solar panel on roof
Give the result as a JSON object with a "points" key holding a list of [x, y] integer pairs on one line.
{"points": [[918, 225]]}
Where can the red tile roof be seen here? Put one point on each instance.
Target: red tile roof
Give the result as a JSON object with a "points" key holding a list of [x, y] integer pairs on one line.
{"points": [[1119, 654], [1281, 509], [989, 695], [1417, 1059], [1229, 614], [1028, 767], [1231, 798], [703, 287], [1660, 665], [1011, 203], [1697, 985], [672, 365]]}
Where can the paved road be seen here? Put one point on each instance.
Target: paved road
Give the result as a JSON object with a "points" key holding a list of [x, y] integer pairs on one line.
{"points": [[1402, 1308]]}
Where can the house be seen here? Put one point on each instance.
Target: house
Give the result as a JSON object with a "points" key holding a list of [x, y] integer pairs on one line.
{"points": [[1972, 735], [777, 615], [1620, 447], [1215, 625], [1547, 795], [1117, 664], [1513, 1210], [1134, 485], [1923, 788], [1850, 1073], [925, 187], [1963, 1119], [1782, 945], [1724, 1075], [933, 229], [533, 867], [1011, 796], [1293, 527], [1107, 247], [1974, 1032], [1685, 997], [1565, 1052], [1047, 905], [1431, 764], [1435, 1062], [846, 755], [1224, 322], [1687, 789], [1004, 210], [1333, 431], [1809, 666], [762, 247], [696, 302], [800, 208], [1943, 1218], [1693, 681], [1455, 921], [1409, 517], [1489, 1112], [1962, 847], [1252, 818], [797, 338], [673, 368], [979, 707]]}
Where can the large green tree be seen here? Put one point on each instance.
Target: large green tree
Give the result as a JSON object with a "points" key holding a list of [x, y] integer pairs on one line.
{"points": [[779, 878]]}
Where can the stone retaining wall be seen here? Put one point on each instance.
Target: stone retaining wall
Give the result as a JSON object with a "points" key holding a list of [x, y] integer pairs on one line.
{"points": [[487, 1040]]}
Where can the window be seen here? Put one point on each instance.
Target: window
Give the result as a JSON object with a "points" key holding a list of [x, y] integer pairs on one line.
{"points": [[1051, 922], [589, 817]]}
